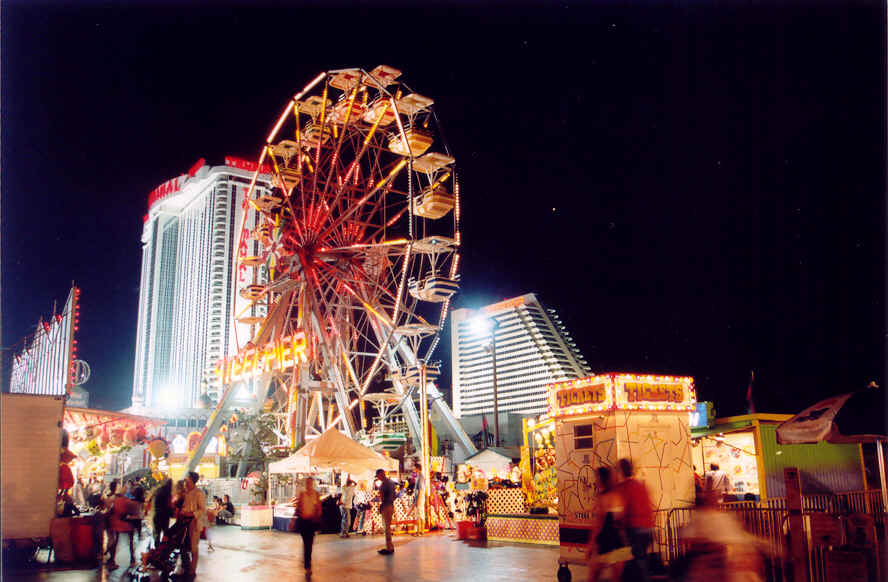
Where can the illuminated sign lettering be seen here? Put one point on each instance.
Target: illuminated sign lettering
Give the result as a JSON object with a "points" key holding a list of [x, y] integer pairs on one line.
{"points": [[197, 165], [247, 165], [169, 187], [277, 356], [643, 392], [596, 394], [507, 304]]}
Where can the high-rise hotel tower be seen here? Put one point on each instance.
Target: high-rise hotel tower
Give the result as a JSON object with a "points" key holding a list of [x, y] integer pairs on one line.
{"points": [[188, 290], [533, 349]]}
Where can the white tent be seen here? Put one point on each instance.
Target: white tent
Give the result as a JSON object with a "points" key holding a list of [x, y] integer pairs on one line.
{"points": [[333, 450]]}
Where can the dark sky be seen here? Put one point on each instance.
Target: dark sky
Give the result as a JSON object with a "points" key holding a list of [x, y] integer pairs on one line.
{"points": [[697, 190]]}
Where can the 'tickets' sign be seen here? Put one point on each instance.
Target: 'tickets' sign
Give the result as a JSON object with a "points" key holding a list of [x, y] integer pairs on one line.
{"points": [[641, 392], [595, 394], [621, 392]]}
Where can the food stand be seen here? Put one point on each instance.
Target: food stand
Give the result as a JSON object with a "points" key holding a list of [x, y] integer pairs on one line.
{"points": [[332, 451], [745, 447], [603, 418]]}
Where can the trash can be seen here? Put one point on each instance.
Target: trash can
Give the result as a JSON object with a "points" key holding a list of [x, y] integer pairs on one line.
{"points": [[83, 539]]}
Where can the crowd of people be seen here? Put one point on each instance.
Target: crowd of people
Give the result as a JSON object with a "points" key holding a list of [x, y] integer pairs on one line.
{"points": [[354, 505], [619, 543], [125, 508]]}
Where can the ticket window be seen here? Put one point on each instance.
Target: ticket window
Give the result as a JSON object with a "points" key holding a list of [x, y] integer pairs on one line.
{"points": [[584, 437], [735, 454]]}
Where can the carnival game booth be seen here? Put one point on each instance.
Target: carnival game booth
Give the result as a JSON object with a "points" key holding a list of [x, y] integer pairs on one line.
{"points": [[102, 445], [607, 417], [112, 445], [505, 514], [746, 449], [329, 453]]}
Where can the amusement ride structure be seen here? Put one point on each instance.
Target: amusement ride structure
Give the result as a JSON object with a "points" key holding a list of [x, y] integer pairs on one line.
{"points": [[346, 268]]}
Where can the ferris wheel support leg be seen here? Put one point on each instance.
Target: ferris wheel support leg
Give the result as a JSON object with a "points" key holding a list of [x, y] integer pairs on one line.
{"points": [[412, 416], [451, 425], [214, 422]]}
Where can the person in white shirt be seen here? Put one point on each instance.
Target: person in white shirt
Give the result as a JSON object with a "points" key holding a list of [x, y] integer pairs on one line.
{"points": [[346, 502], [718, 481]]}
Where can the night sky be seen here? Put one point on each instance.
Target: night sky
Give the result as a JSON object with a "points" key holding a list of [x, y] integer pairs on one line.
{"points": [[697, 190]]}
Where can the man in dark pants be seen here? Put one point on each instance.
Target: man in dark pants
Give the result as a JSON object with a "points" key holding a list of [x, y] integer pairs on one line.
{"points": [[639, 517], [386, 509]]}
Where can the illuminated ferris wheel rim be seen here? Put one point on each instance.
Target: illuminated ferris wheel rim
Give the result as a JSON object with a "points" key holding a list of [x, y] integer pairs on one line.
{"points": [[398, 282]]}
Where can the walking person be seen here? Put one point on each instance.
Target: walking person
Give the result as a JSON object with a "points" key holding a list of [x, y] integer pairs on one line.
{"points": [[639, 518], [608, 549], [346, 503], [386, 509], [194, 505], [161, 509], [308, 519], [125, 516], [106, 511]]}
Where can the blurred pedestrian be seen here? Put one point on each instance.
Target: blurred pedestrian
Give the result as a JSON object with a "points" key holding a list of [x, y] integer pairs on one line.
{"points": [[105, 516], [308, 519], [160, 507], [719, 549], [608, 549], [639, 511], [126, 516]]}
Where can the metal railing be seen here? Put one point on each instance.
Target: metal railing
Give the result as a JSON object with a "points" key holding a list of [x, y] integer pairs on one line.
{"points": [[768, 521]]}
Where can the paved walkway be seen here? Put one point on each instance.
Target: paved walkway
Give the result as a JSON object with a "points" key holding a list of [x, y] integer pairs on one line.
{"points": [[277, 556]]}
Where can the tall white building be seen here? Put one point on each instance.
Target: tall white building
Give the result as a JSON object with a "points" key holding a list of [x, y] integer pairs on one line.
{"points": [[533, 349], [188, 289]]}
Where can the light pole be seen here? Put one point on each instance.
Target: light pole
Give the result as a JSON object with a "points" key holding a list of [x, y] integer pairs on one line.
{"points": [[487, 327]]}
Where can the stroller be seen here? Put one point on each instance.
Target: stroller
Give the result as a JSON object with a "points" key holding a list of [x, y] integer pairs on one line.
{"points": [[163, 557]]}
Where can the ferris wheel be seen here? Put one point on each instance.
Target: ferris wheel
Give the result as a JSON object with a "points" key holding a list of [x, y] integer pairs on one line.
{"points": [[355, 247]]}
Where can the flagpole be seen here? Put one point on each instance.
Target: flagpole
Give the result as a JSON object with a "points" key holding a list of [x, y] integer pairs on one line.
{"points": [[880, 452]]}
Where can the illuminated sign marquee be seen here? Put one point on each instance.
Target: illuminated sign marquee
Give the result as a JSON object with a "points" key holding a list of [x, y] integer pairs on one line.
{"points": [[507, 304], [247, 165], [607, 392], [169, 187], [277, 356]]}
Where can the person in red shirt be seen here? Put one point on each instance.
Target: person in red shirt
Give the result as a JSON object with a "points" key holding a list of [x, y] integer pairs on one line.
{"points": [[639, 516], [126, 516]]}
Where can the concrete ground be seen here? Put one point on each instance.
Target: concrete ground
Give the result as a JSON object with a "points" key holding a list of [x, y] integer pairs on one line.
{"points": [[277, 556]]}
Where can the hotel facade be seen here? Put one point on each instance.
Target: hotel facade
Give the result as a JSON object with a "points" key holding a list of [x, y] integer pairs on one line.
{"points": [[533, 349], [188, 289]]}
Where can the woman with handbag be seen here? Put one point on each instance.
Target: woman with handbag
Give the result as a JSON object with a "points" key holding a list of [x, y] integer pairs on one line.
{"points": [[608, 537], [308, 519]]}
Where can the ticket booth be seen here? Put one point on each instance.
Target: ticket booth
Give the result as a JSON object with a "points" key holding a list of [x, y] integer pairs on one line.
{"points": [[604, 418]]}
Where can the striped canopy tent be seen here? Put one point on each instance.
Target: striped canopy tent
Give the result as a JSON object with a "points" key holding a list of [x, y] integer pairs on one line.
{"points": [[333, 450]]}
